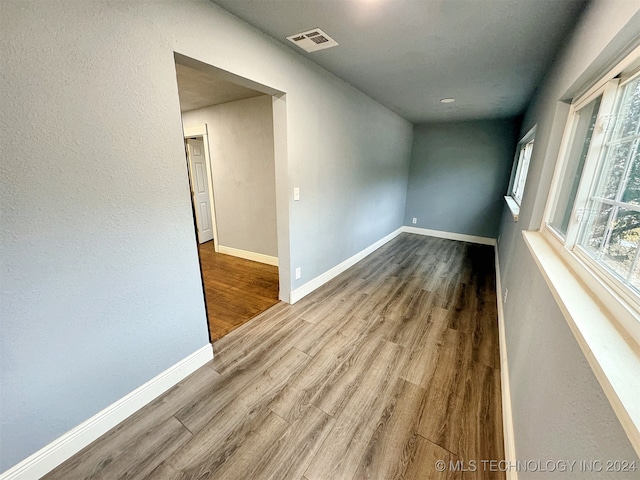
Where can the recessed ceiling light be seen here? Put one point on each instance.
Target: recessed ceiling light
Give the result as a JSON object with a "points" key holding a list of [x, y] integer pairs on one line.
{"points": [[447, 100]]}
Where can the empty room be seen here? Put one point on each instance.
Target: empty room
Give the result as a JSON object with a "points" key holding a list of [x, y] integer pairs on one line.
{"points": [[445, 195]]}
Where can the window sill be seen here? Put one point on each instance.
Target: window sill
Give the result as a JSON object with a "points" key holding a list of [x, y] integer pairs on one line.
{"points": [[513, 206], [613, 356]]}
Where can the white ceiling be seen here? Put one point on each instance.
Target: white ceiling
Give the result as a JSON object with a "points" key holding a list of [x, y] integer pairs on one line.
{"points": [[408, 54], [198, 89]]}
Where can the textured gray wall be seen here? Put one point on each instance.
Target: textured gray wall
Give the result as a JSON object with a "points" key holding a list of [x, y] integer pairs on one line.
{"points": [[244, 182], [100, 287], [559, 408], [459, 175]]}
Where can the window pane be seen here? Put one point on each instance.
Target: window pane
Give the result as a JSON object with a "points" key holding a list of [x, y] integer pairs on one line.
{"points": [[632, 190], [575, 164], [618, 175], [521, 173], [628, 110], [617, 158], [595, 233], [611, 225], [614, 238], [634, 281], [619, 251]]}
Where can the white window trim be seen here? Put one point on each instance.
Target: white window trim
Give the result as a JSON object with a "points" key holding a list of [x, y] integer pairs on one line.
{"points": [[513, 206], [520, 179], [612, 355], [513, 202], [603, 316], [622, 311]]}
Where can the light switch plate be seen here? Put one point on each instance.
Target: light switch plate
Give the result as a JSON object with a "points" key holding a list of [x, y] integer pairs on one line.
{"points": [[296, 193]]}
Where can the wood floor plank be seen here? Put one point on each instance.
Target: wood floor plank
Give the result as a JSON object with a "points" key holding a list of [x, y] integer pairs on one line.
{"points": [[136, 457], [236, 289], [422, 464], [342, 328], [243, 461], [463, 310], [323, 310], [378, 374], [282, 461], [393, 442], [394, 307], [413, 316], [481, 418], [487, 347], [104, 458], [425, 351], [294, 400], [223, 427], [278, 339], [340, 454], [342, 287], [211, 447], [263, 322], [440, 423], [341, 383], [256, 385]]}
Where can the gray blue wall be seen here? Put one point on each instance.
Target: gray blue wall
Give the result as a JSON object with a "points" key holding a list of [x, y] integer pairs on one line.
{"points": [[459, 175], [559, 409], [243, 169], [100, 284]]}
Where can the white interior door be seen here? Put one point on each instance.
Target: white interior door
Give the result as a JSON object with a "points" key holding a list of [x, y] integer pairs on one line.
{"points": [[200, 189]]}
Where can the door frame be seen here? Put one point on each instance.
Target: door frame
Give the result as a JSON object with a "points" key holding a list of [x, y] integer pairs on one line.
{"points": [[281, 158], [201, 130]]}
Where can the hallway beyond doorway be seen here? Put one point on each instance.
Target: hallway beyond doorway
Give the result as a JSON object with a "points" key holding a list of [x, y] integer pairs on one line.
{"points": [[236, 289]]}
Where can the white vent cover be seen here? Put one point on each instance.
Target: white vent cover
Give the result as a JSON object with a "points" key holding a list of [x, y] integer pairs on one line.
{"points": [[313, 40]]}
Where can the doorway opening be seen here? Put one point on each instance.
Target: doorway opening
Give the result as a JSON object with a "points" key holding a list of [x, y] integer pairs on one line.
{"points": [[231, 149]]}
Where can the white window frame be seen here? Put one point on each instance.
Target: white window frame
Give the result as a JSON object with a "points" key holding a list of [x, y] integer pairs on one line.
{"points": [[621, 300], [519, 173], [600, 311]]}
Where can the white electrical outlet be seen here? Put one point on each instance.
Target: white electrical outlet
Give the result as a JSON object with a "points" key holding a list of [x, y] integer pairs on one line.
{"points": [[296, 193], [504, 297], [298, 273], [414, 220]]}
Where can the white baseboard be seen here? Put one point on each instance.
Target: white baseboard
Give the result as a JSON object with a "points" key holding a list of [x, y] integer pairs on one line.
{"points": [[507, 414], [320, 280], [450, 235], [64, 447], [247, 255]]}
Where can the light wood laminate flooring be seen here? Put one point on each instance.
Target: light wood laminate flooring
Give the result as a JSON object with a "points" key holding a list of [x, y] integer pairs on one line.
{"points": [[383, 371], [236, 290]]}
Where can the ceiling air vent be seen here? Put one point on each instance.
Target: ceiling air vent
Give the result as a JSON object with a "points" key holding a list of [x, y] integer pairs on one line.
{"points": [[313, 40]]}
